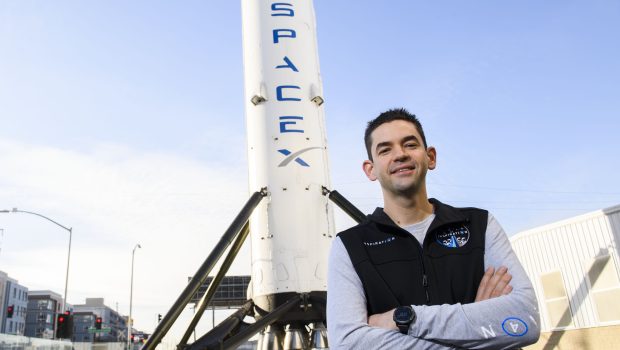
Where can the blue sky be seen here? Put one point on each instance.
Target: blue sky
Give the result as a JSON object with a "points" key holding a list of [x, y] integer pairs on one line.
{"points": [[126, 122]]}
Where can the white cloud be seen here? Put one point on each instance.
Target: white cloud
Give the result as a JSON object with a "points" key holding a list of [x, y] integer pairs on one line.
{"points": [[114, 197]]}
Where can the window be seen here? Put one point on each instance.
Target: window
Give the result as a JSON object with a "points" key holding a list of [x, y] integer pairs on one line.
{"points": [[605, 288], [556, 300]]}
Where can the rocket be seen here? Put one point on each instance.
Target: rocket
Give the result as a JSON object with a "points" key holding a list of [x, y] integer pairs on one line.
{"points": [[288, 216], [292, 229]]}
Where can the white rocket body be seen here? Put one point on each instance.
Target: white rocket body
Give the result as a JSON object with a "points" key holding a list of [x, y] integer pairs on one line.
{"points": [[292, 229]]}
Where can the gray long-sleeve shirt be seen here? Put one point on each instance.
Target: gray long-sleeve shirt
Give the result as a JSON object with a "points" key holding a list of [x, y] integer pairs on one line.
{"points": [[500, 323]]}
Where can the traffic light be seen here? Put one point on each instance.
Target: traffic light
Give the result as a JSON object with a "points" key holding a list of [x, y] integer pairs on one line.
{"points": [[61, 326], [98, 322], [158, 317], [64, 326], [69, 322], [9, 311]]}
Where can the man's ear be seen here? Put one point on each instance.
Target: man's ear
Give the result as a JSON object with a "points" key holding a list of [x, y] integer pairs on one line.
{"points": [[431, 153], [368, 168]]}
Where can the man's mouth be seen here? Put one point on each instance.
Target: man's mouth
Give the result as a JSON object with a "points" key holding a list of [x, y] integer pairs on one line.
{"points": [[403, 169]]}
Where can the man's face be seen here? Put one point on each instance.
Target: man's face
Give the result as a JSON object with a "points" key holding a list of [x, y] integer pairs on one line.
{"points": [[400, 161]]}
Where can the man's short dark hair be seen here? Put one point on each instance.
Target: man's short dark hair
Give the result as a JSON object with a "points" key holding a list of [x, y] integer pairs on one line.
{"points": [[389, 116]]}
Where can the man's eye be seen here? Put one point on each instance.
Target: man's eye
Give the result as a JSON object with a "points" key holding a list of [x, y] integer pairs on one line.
{"points": [[411, 145], [383, 151]]}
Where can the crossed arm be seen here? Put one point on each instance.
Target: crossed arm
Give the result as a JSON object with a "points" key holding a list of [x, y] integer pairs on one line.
{"points": [[493, 284], [504, 315]]}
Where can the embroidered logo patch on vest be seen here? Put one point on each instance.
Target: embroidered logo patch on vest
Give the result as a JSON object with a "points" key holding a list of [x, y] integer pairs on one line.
{"points": [[453, 237]]}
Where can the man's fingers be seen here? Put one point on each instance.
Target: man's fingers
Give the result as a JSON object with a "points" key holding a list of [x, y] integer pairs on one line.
{"points": [[501, 284], [493, 283], [483, 284], [507, 290]]}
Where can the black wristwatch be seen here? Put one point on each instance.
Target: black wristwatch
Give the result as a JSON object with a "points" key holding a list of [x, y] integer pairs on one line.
{"points": [[404, 316]]}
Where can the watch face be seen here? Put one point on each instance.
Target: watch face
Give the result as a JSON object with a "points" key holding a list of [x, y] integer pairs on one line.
{"points": [[403, 314]]}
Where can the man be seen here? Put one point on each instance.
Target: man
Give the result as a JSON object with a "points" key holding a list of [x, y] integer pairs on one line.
{"points": [[412, 275]]}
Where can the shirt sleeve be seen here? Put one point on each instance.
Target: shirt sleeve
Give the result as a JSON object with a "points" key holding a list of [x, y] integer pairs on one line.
{"points": [[500, 323], [347, 318]]}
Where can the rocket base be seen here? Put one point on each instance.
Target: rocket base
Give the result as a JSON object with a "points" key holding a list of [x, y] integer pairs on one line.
{"points": [[286, 321], [311, 309], [297, 323]]}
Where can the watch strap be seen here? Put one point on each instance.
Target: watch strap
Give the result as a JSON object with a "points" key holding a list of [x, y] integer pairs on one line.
{"points": [[403, 328]]}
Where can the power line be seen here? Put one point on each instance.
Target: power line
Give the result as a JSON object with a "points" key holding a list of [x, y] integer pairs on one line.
{"points": [[522, 190], [603, 201], [494, 188]]}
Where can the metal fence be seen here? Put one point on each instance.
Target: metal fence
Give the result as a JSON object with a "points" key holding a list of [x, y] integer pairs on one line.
{"points": [[16, 342]]}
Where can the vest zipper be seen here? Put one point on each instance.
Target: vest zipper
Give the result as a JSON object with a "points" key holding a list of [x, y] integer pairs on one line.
{"points": [[425, 284], [424, 278]]}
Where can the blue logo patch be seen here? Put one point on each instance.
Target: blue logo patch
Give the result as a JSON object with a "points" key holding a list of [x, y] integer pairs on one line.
{"points": [[453, 237], [514, 327]]}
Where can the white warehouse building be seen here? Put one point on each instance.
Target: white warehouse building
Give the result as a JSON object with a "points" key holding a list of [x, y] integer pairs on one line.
{"points": [[575, 269]]}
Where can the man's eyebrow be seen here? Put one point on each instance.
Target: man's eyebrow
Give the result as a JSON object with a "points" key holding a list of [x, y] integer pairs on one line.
{"points": [[410, 138], [403, 140], [383, 144]]}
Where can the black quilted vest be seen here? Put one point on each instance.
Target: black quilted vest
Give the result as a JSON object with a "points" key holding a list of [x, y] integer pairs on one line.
{"points": [[395, 270]]}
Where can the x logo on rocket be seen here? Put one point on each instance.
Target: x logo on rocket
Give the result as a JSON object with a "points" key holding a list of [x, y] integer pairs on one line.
{"points": [[294, 156]]}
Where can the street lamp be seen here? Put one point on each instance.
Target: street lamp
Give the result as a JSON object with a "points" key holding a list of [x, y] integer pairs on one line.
{"points": [[129, 321], [15, 210]]}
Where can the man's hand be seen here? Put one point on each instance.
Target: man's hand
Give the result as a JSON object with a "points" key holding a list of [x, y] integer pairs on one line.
{"points": [[494, 284], [384, 320]]}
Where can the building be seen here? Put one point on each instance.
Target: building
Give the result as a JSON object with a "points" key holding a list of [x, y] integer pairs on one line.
{"points": [[575, 270], [83, 322], [43, 306], [14, 302], [88, 312]]}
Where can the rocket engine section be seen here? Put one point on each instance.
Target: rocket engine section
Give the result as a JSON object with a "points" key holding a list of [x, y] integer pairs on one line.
{"points": [[291, 230]]}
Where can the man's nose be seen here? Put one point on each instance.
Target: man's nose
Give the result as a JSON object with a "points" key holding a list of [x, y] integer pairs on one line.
{"points": [[400, 154]]}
